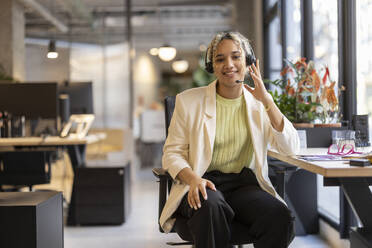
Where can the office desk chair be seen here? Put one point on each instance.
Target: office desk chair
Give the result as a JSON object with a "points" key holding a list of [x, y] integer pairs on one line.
{"points": [[239, 231], [25, 168]]}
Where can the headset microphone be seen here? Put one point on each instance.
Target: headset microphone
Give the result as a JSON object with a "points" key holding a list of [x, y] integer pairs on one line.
{"points": [[239, 81]]}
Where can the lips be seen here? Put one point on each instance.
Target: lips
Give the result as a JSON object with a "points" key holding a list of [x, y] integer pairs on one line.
{"points": [[229, 73]]}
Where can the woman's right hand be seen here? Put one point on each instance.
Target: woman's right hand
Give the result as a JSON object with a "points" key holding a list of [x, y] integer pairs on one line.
{"points": [[198, 184]]}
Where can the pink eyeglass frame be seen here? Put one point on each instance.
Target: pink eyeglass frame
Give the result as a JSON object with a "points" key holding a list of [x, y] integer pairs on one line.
{"points": [[341, 152]]}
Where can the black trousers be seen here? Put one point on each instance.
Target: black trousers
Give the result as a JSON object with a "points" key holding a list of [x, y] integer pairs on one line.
{"points": [[239, 198]]}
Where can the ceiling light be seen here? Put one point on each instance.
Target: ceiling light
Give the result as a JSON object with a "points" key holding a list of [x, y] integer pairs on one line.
{"points": [[52, 52], [180, 66], [154, 51], [167, 53]]}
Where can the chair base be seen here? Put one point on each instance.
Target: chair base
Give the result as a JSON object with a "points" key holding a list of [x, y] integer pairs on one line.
{"points": [[179, 243], [191, 243]]}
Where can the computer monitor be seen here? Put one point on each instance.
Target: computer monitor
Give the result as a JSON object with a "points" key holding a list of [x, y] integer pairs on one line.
{"points": [[32, 100], [80, 97]]}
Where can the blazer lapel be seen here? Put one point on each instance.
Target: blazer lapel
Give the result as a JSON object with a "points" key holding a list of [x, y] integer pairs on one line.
{"points": [[210, 118]]}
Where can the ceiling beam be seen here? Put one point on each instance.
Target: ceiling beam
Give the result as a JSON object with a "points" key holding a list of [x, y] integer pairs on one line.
{"points": [[45, 13], [78, 9]]}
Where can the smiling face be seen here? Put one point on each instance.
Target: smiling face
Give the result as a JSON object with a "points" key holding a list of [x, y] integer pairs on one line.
{"points": [[229, 64]]}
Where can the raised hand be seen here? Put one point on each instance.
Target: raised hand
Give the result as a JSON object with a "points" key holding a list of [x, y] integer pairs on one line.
{"points": [[259, 91]]}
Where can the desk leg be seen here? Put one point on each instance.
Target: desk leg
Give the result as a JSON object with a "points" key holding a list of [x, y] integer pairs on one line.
{"points": [[77, 157], [347, 218], [359, 196]]}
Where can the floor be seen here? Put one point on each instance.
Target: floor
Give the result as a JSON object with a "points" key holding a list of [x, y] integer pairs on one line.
{"points": [[141, 230]]}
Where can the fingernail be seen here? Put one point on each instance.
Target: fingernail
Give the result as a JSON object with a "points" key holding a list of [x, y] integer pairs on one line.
{"points": [[199, 205]]}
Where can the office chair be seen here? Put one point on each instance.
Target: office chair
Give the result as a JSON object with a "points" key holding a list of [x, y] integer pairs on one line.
{"points": [[239, 232], [25, 168]]}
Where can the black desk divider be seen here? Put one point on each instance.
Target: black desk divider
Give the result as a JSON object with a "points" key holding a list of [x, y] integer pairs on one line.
{"points": [[361, 126], [320, 136]]}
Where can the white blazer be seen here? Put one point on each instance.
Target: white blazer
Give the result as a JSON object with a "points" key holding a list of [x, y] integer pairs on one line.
{"points": [[191, 137]]}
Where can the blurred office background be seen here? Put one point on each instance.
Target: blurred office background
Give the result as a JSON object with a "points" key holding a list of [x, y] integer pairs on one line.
{"points": [[115, 45]]}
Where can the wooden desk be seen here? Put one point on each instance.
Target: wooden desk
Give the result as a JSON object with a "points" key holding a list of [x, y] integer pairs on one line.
{"points": [[324, 168], [354, 182], [75, 146], [49, 141]]}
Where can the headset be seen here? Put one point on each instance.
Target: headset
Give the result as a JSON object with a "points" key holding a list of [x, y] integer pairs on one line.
{"points": [[249, 59]]}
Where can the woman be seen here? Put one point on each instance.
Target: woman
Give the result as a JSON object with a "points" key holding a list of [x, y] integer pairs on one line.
{"points": [[216, 151]]}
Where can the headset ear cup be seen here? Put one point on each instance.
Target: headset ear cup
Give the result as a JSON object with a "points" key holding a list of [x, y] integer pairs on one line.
{"points": [[209, 67], [250, 59]]}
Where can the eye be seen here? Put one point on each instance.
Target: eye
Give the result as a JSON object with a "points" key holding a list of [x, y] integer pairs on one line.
{"points": [[236, 57], [219, 60]]}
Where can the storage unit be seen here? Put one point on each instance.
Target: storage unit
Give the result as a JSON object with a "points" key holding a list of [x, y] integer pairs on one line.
{"points": [[101, 196], [31, 219]]}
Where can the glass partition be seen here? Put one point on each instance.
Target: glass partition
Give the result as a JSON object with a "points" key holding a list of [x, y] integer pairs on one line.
{"points": [[326, 53], [364, 59]]}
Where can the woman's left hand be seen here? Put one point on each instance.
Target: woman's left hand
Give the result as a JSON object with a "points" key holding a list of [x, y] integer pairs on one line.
{"points": [[259, 91]]}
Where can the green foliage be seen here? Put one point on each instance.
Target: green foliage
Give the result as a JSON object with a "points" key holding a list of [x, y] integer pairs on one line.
{"points": [[170, 87], [3, 75], [200, 76], [285, 103], [295, 111]]}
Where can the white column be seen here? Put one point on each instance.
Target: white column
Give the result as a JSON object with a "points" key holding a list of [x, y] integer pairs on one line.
{"points": [[12, 36]]}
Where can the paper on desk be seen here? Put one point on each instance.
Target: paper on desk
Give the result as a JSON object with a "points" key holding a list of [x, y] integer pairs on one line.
{"points": [[321, 157]]}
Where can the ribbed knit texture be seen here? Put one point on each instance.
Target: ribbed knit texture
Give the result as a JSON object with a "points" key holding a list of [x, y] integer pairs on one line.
{"points": [[232, 149]]}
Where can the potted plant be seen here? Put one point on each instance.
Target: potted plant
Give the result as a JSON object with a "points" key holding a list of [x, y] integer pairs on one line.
{"points": [[304, 98], [4, 78]]}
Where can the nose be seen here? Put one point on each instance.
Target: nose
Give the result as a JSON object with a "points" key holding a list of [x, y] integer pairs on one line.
{"points": [[229, 63]]}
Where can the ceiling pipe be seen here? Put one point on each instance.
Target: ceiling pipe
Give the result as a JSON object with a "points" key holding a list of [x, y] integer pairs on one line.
{"points": [[193, 3], [45, 13]]}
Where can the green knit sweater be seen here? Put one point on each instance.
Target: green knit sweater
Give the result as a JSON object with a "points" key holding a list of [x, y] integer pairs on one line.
{"points": [[232, 149]]}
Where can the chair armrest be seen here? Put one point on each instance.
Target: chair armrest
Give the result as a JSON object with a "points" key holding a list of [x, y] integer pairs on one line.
{"points": [[281, 167], [161, 173], [165, 182]]}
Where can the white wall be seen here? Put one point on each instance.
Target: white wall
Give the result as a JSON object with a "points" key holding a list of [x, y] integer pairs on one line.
{"points": [[146, 78], [41, 69]]}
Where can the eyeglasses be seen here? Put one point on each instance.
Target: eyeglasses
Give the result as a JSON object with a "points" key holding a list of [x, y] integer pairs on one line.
{"points": [[346, 149]]}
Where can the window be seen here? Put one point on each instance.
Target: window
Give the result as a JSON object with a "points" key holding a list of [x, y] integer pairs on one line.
{"points": [[292, 39], [293, 29], [326, 35], [275, 56], [326, 53], [364, 59]]}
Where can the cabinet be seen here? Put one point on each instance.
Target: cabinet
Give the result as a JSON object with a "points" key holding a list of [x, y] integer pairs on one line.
{"points": [[101, 195], [31, 219]]}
